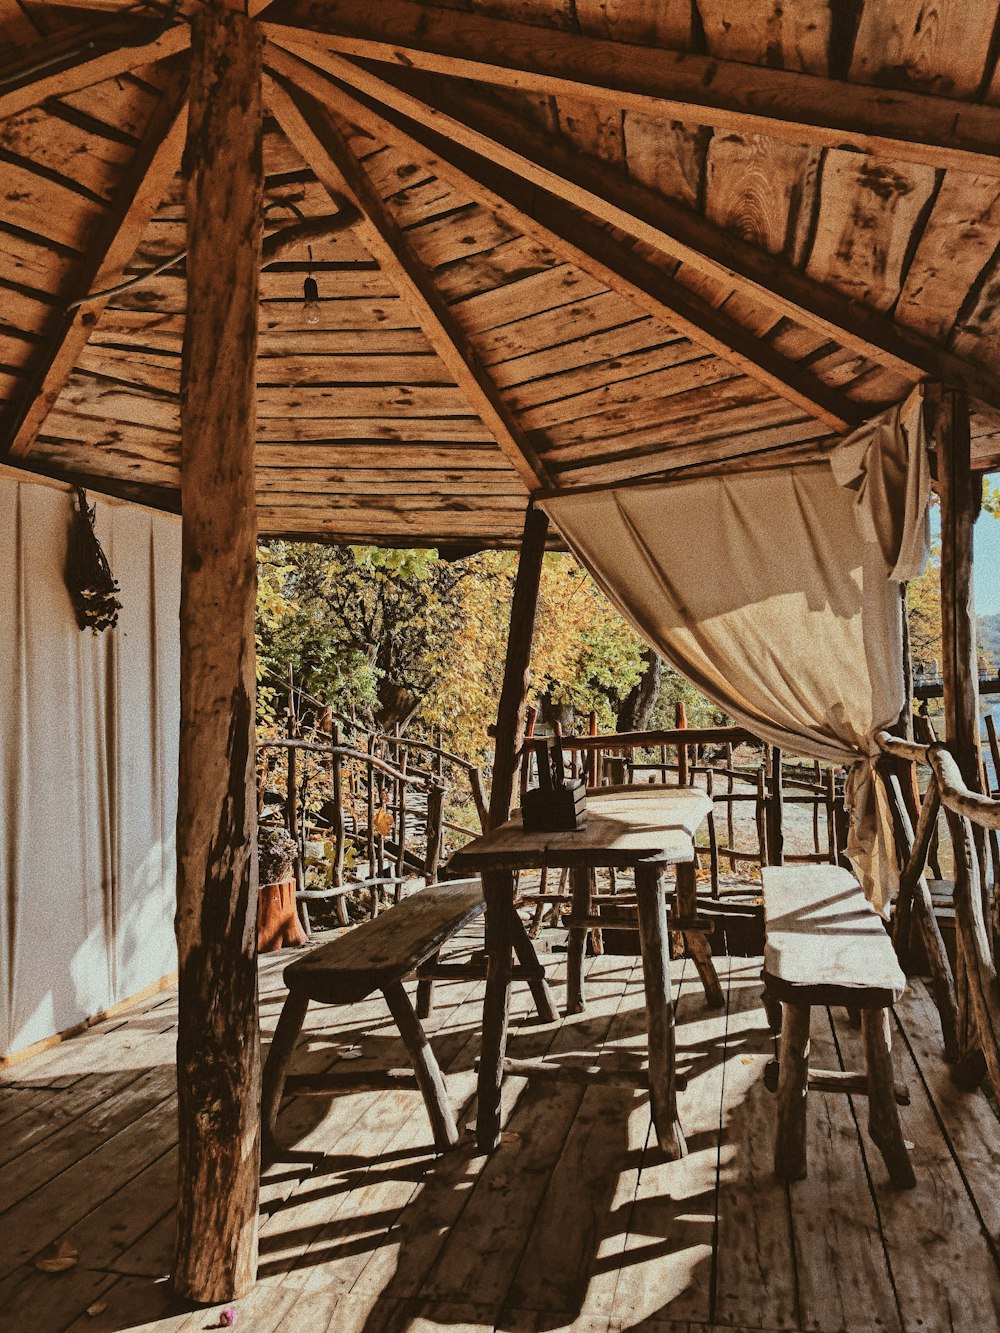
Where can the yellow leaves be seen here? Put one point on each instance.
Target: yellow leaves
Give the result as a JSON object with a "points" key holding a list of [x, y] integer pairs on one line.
{"points": [[382, 822]]}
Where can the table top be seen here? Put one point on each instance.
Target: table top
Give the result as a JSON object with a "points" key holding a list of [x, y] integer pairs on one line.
{"points": [[625, 825]]}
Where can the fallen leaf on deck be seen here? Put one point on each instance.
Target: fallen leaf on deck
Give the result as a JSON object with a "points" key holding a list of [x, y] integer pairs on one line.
{"points": [[351, 1053], [499, 1182], [97, 1308], [508, 1136], [59, 1256]]}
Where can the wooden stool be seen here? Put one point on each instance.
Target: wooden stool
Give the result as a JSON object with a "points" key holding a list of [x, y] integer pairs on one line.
{"points": [[827, 945]]}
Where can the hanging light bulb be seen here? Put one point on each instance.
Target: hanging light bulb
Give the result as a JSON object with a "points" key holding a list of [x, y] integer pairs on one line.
{"points": [[310, 300]]}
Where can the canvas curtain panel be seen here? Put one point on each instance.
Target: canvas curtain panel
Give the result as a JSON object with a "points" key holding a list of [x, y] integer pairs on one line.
{"points": [[88, 739], [778, 594]]}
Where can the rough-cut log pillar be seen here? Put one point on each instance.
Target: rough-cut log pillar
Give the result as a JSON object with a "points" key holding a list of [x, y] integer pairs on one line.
{"points": [[498, 888], [961, 493], [218, 1057]]}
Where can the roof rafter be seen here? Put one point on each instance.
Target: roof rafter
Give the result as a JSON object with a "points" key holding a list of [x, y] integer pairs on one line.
{"points": [[602, 190], [324, 148], [70, 61], [729, 94], [595, 250], [139, 193]]}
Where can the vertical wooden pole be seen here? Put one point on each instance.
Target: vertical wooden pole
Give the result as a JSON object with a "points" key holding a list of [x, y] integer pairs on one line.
{"points": [[218, 1055], [498, 888], [961, 493], [681, 721], [775, 812]]}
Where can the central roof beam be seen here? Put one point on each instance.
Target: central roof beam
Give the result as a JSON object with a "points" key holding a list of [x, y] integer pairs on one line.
{"points": [[327, 152], [699, 89], [576, 238], [599, 188]]}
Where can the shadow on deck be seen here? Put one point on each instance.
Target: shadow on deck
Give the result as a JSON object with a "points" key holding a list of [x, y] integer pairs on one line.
{"points": [[576, 1222]]}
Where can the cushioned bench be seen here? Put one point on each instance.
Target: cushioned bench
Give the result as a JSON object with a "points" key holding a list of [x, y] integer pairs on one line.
{"points": [[375, 955], [827, 945]]}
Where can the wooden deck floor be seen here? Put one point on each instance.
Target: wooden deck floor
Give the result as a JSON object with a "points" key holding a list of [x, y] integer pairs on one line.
{"points": [[576, 1222]]}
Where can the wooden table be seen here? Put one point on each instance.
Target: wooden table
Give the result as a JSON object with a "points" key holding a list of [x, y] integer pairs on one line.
{"points": [[645, 829]]}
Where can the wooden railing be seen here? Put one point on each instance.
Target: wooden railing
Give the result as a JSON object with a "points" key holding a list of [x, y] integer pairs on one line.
{"points": [[969, 1006], [679, 752]]}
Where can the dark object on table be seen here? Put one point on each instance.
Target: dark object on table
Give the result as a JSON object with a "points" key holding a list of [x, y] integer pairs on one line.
{"points": [[556, 805]]}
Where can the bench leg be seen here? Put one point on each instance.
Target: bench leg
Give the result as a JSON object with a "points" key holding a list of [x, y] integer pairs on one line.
{"points": [[655, 943], [425, 1066], [537, 984], [793, 1087], [581, 880], [425, 991], [279, 1056], [883, 1114]]}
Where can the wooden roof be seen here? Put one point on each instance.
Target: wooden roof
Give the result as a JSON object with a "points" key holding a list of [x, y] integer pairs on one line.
{"points": [[601, 240]]}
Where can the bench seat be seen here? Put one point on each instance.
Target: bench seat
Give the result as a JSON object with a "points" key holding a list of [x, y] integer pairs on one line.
{"points": [[826, 944], [387, 948]]}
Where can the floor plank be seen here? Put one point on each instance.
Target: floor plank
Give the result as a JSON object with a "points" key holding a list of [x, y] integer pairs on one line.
{"points": [[575, 1223]]}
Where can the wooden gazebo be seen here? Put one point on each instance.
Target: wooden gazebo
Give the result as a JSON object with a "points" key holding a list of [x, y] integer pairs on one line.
{"points": [[427, 262]]}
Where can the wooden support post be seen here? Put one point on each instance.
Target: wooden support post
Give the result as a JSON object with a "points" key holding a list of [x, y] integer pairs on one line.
{"points": [[498, 888], [775, 812], [435, 814], [947, 414], [681, 721], [218, 1054], [961, 492]]}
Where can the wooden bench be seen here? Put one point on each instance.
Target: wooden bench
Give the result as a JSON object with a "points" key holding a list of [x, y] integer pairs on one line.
{"points": [[827, 945], [375, 955]]}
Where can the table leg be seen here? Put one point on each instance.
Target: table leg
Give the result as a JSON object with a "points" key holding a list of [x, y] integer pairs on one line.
{"points": [[581, 879], [654, 939], [498, 890], [686, 908]]}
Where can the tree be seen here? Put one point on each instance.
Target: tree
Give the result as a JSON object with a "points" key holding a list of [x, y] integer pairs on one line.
{"points": [[405, 636]]}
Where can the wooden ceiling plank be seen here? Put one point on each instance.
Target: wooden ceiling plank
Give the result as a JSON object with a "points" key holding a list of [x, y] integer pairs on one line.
{"points": [[328, 153], [140, 191], [731, 95], [549, 219], [487, 129], [68, 62]]}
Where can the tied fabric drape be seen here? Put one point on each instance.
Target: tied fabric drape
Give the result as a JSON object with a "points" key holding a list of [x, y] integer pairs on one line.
{"points": [[777, 593]]}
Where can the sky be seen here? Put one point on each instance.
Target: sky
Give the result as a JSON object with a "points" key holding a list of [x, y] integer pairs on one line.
{"points": [[985, 560], [986, 565]]}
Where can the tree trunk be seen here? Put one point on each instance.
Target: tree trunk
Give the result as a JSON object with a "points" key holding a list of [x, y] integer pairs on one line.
{"points": [[637, 706], [218, 1057]]}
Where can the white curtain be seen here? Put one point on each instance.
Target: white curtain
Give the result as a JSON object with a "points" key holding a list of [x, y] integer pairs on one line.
{"points": [[777, 593], [88, 744]]}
